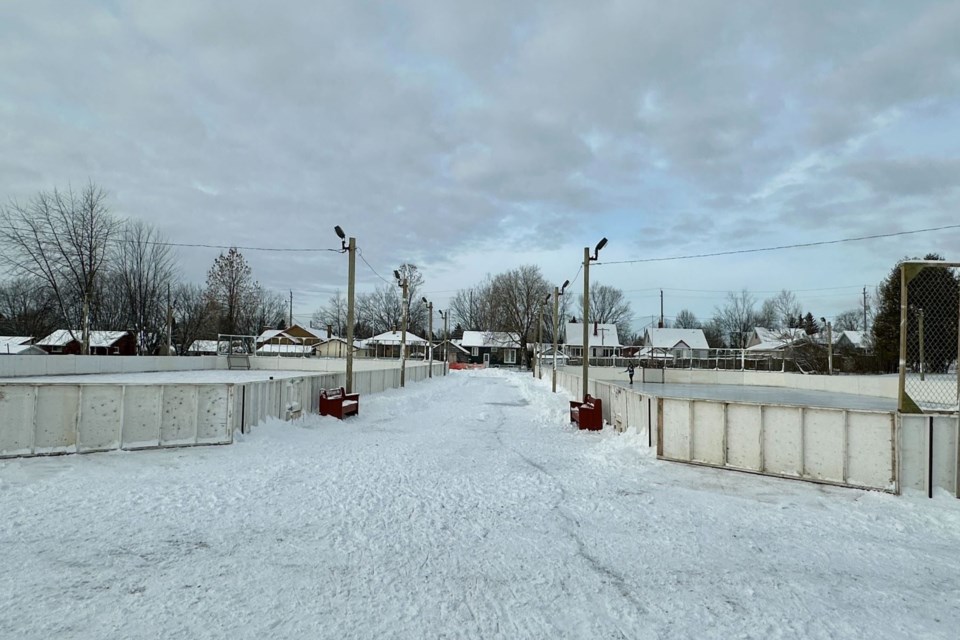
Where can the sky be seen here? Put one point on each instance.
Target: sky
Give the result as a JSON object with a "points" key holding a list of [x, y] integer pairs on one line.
{"points": [[472, 138]]}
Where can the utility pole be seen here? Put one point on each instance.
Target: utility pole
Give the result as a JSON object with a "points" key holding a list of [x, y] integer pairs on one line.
{"points": [[864, 309], [351, 285], [169, 325], [538, 352], [402, 283], [661, 309], [587, 258], [445, 317], [430, 335], [290, 322], [829, 349], [556, 307], [586, 319]]}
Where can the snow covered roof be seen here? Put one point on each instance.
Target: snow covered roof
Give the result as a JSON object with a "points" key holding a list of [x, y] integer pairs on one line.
{"points": [[276, 334], [490, 339], [764, 339], [856, 338], [599, 335], [675, 338], [14, 349], [14, 340], [203, 346], [393, 337], [62, 337]]}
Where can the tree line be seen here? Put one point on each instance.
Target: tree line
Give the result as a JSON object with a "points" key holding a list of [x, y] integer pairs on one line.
{"points": [[72, 264]]}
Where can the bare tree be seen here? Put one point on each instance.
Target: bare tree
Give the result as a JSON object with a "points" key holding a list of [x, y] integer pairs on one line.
{"points": [[686, 320], [194, 315], [608, 306], [737, 318], [262, 308], [473, 307], [146, 268], [63, 239], [849, 320], [26, 308], [333, 313], [516, 296], [781, 309], [380, 310]]}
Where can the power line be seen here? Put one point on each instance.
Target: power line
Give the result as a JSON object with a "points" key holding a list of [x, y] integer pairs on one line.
{"points": [[785, 246], [360, 253]]}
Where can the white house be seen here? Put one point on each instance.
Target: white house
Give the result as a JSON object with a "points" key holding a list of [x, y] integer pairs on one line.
{"points": [[19, 346], [603, 341], [685, 343]]}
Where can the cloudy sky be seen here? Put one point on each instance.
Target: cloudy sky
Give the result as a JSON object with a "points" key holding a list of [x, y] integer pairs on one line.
{"points": [[472, 137]]}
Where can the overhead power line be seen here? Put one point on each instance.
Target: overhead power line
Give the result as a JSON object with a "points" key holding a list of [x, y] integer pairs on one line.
{"points": [[784, 246]]}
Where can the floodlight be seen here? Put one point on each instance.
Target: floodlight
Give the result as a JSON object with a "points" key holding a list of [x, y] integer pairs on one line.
{"points": [[340, 233], [566, 283], [424, 300], [396, 274], [600, 245]]}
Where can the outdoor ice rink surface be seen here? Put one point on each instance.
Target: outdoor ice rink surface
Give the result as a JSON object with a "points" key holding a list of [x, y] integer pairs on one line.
{"points": [[462, 507]]}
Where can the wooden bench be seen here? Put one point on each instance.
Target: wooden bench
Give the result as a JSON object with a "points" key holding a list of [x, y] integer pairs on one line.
{"points": [[587, 414], [338, 403]]}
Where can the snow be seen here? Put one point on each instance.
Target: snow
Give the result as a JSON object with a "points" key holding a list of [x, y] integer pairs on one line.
{"points": [[465, 507], [63, 337]]}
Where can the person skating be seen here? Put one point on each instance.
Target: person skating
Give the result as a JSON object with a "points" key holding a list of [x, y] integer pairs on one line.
{"points": [[630, 372]]}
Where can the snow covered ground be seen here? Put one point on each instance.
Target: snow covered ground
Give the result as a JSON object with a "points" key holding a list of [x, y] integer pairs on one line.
{"points": [[464, 507]]}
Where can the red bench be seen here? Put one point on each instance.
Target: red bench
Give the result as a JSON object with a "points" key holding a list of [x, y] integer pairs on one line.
{"points": [[587, 414], [338, 403]]}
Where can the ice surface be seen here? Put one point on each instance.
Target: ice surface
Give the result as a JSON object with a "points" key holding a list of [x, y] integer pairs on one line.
{"points": [[462, 507]]}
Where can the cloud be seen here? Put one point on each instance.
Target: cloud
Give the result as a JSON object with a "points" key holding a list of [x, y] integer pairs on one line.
{"points": [[435, 132]]}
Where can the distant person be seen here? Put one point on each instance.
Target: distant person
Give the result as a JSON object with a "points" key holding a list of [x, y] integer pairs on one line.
{"points": [[630, 372]]}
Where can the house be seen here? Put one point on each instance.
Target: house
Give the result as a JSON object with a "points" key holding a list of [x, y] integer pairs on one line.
{"points": [[546, 356], [492, 347], [850, 340], [763, 339], [102, 343], [674, 343], [603, 340], [387, 345], [202, 348], [336, 347], [455, 351], [19, 346]]}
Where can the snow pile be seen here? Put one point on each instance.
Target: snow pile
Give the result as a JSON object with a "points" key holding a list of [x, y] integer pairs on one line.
{"points": [[465, 506]]}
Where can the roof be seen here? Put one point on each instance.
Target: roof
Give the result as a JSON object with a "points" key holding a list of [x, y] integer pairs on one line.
{"points": [[393, 337], [62, 337], [675, 339], [203, 346], [599, 335], [490, 339], [856, 338], [776, 339], [14, 349], [14, 340]]}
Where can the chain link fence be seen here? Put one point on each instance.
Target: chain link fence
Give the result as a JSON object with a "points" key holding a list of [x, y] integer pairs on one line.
{"points": [[929, 316]]}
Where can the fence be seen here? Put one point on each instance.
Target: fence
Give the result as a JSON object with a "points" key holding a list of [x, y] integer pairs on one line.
{"points": [[50, 418], [929, 315]]}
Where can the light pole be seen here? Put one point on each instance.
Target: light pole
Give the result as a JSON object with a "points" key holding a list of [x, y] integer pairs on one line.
{"points": [[350, 247], [587, 258], [402, 283], [557, 292], [444, 316], [829, 346], [539, 350], [429, 334]]}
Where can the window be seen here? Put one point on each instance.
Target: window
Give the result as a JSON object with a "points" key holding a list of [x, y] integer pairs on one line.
{"points": [[474, 351], [510, 356]]}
